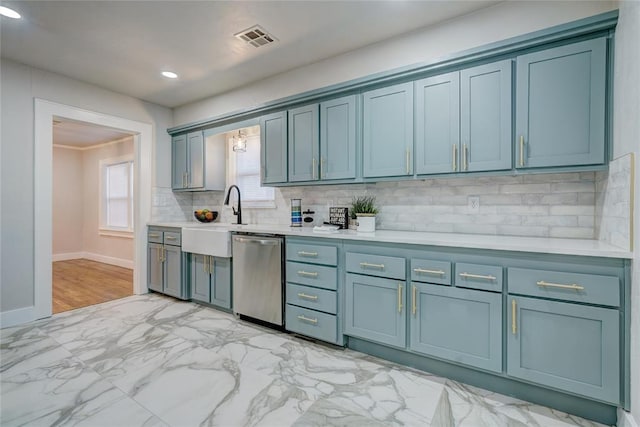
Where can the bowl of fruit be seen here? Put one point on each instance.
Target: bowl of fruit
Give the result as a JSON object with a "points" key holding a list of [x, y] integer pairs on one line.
{"points": [[205, 215]]}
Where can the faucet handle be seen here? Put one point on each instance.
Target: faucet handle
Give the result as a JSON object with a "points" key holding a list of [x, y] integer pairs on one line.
{"points": [[235, 212]]}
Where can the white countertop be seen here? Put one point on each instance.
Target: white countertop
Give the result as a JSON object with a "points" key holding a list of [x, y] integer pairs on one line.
{"points": [[580, 247]]}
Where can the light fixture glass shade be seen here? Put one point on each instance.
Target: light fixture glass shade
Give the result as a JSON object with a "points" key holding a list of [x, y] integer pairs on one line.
{"points": [[239, 142]]}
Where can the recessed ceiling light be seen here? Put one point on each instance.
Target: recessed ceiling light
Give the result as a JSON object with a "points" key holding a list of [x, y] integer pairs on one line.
{"points": [[170, 74], [9, 13]]}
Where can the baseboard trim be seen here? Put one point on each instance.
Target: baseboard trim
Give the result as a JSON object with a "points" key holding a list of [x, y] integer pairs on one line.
{"points": [[626, 419], [17, 317], [124, 263]]}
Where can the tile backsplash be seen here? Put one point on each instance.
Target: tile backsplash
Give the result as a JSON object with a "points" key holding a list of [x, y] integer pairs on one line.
{"points": [[545, 205], [613, 202]]}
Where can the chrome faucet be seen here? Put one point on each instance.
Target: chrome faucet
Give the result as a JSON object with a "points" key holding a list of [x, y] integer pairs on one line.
{"points": [[226, 202]]}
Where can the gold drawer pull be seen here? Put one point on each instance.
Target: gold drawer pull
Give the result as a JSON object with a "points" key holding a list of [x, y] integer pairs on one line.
{"points": [[413, 301], [465, 155], [454, 156], [514, 324], [308, 273], [306, 319], [521, 150], [171, 238], [311, 297], [478, 276], [399, 297], [422, 270], [558, 285], [304, 253], [155, 236], [366, 264]]}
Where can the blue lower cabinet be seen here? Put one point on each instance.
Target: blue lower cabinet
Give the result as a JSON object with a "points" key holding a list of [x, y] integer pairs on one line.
{"points": [[460, 325], [211, 280], [570, 347], [375, 309], [312, 323]]}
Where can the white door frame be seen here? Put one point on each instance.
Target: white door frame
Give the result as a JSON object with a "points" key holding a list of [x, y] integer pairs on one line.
{"points": [[45, 112]]}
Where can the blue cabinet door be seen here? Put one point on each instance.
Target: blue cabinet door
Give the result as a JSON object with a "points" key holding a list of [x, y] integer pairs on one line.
{"points": [[560, 106], [461, 325], [273, 148], [179, 162], [438, 123], [375, 309], [173, 283], [195, 148], [155, 267], [485, 117], [221, 282], [338, 138], [388, 131], [304, 155], [200, 278], [566, 346]]}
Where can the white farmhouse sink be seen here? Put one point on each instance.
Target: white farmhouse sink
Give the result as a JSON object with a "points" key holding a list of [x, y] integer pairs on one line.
{"points": [[214, 241]]}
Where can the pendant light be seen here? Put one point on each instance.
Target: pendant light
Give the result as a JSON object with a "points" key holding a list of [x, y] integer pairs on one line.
{"points": [[239, 142]]}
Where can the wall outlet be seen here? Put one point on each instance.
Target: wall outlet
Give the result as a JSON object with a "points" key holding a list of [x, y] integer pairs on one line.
{"points": [[473, 204]]}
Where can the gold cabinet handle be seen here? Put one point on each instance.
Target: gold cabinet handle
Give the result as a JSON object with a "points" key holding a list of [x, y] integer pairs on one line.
{"points": [[478, 276], [211, 265], [408, 158], [205, 264], [465, 152], [308, 254], [313, 168], [425, 271], [514, 324], [366, 264], [171, 238], [308, 273], [322, 162], [558, 285], [311, 297], [163, 257], [454, 156], [306, 319], [399, 297], [154, 236], [521, 150], [413, 301]]}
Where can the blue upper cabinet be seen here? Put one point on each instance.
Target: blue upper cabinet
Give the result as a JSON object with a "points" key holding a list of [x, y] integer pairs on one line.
{"points": [[438, 123], [195, 174], [304, 156], [388, 131], [338, 138], [273, 147], [179, 162], [463, 120], [485, 117], [560, 106]]}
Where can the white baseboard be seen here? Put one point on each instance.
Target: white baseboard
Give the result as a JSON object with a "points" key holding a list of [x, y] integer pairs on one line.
{"points": [[67, 256], [125, 263], [626, 419], [17, 317]]}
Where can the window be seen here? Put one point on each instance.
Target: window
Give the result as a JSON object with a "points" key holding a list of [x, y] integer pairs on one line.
{"points": [[116, 195], [244, 171]]}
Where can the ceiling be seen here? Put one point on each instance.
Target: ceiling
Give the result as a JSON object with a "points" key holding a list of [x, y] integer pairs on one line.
{"points": [[83, 135], [124, 45]]}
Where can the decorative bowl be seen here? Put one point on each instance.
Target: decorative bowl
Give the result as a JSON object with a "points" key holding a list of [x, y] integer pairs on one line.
{"points": [[205, 215]]}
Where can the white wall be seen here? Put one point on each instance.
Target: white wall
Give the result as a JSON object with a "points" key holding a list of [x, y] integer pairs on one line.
{"points": [[119, 248], [68, 207], [20, 85], [505, 20], [626, 131]]}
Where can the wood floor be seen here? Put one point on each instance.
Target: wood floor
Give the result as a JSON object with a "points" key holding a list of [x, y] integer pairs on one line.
{"points": [[80, 282]]}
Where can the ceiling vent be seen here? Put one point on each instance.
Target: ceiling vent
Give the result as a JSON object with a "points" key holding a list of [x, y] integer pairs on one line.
{"points": [[256, 36]]}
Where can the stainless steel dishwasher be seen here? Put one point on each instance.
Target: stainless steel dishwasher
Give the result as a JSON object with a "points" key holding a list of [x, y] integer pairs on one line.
{"points": [[257, 277]]}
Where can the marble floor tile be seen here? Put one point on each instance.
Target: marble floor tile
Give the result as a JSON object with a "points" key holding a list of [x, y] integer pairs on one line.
{"points": [[150, 360]]}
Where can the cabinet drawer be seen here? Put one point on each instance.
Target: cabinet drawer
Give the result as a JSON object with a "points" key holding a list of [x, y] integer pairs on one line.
{"points": [[313, 298], [478, 276], [172, 238], [587, 288], [376, 265], [430, 271], [312, 275], [312, 323], [154, 236], [313, 254]]}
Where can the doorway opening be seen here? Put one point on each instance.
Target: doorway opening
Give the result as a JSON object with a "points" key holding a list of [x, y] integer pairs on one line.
{"points": [[92, 214]]}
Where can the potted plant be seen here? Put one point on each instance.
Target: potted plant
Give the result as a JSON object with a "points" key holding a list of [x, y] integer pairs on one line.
{"points": [[364, 209]]}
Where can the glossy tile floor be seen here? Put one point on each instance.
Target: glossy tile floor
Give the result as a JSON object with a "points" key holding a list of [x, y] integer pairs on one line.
{"points": [[154, 361]]}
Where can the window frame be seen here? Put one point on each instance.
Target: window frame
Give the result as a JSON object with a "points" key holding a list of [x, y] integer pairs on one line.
{"points": [[105, 229]]}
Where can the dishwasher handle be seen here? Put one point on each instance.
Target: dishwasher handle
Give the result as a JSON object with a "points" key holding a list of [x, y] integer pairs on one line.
{"points": [[262, 242]]}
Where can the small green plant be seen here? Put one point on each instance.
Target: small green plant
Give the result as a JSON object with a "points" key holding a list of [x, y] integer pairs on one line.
{"points": [[363, 205]]}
